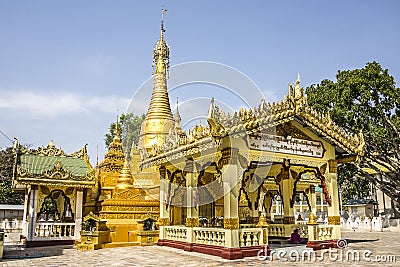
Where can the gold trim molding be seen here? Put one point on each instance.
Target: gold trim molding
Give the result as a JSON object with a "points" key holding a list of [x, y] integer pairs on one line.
{"points": [[333, 165], [164, 221], [288, 220], [231, 223], [334, 220], [192, 222]]}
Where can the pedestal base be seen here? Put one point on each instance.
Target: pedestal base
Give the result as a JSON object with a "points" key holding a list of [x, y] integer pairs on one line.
{"points": [[45, 243], [318, 245], [223, 252]]}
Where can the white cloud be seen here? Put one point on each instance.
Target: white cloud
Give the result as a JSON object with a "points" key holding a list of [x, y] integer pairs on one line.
{"points": [[54, 104]]}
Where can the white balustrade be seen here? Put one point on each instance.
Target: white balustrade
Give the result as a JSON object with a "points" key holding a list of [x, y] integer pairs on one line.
{"points": [[250, 237], [10, 225], [210, 236], [55, 231], [177, 233], [324, 232], [276, 230]]}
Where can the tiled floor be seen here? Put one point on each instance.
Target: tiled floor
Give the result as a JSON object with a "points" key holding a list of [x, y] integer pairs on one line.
{"points": [[378, 243]]}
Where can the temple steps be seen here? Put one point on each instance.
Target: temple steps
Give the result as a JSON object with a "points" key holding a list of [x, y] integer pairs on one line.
{"points": [[120, 244]]}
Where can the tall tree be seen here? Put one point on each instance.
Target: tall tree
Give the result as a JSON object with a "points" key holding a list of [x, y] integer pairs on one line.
{"points": [[7, 196], [130, 130], [366, 100]]}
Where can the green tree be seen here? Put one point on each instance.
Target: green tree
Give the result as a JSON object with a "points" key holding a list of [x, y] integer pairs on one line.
{"points": [[7, 196], [130, 130], [366, 100]]}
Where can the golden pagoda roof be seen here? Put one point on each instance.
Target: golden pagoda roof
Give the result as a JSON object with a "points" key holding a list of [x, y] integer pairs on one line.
{"points": [[125, 180], [159, 119], [159, 103], [294, 107], [114, 158]]}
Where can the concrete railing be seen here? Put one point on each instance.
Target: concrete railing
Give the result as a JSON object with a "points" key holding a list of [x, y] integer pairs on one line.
{"points": [[210, 236], [374, 224], [177, 233], [277, 230], [48, 231], [250, 237], [11, 224], [215, 236], [324, 232]]}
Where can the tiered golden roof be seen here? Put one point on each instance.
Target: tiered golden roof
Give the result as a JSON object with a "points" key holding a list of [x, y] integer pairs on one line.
{"points": [[114, 158], [266, 116]]}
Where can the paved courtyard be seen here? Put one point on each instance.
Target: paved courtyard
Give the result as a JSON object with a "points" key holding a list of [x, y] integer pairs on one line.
{"points": [[382, 245]]}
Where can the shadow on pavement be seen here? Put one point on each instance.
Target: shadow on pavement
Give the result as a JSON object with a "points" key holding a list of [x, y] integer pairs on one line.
{"points": [[17, 252]]}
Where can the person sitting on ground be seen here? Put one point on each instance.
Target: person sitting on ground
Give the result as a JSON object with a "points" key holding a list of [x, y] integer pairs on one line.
{"points": [[295, 237]]}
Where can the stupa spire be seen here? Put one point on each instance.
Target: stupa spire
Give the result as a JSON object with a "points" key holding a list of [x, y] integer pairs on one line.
{"points": [[159, 104], [177, 118], [125, 180], [114, 158], [159, 120]]}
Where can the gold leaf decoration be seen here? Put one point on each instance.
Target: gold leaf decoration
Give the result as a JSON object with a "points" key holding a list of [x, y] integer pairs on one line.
{"points": [[69, 191], [56, 194], [323, 168], [45, 190]]}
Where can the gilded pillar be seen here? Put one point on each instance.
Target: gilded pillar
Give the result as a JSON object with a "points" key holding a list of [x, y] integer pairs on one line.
{"points": [[231, 181], [312, 199], [192, 213], [192, 219], [164, 219], [287, 191]]}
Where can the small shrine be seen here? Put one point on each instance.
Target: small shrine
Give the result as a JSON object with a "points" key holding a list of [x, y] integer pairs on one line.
{"points": [[94, 234], [149, 235], [54, 183], [117, 201]]}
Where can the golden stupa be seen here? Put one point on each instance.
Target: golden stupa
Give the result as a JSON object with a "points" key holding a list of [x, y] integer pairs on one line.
{"points": [[159, 120], [123, 196]]}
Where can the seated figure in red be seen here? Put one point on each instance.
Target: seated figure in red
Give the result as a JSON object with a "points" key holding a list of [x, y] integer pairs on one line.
{"points": [[296, 239]]}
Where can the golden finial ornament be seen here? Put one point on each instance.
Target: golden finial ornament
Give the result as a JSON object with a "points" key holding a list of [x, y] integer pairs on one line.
{"points": [[125, 180], [262, 222], [312, 220]]}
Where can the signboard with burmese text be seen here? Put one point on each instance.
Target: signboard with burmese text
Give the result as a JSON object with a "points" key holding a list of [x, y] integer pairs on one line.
{"points": [[287, 145]]}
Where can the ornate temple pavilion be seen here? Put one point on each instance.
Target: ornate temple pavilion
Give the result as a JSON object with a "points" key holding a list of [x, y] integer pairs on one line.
{"points": [[219, 181], [54, 184], [226, 188]]}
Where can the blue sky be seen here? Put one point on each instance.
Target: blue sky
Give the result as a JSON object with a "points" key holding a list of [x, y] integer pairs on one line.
{"points": [[67, 66]]}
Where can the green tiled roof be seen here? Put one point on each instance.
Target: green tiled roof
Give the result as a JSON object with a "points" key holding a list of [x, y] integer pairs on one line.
{"points": [[37, 164]]}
